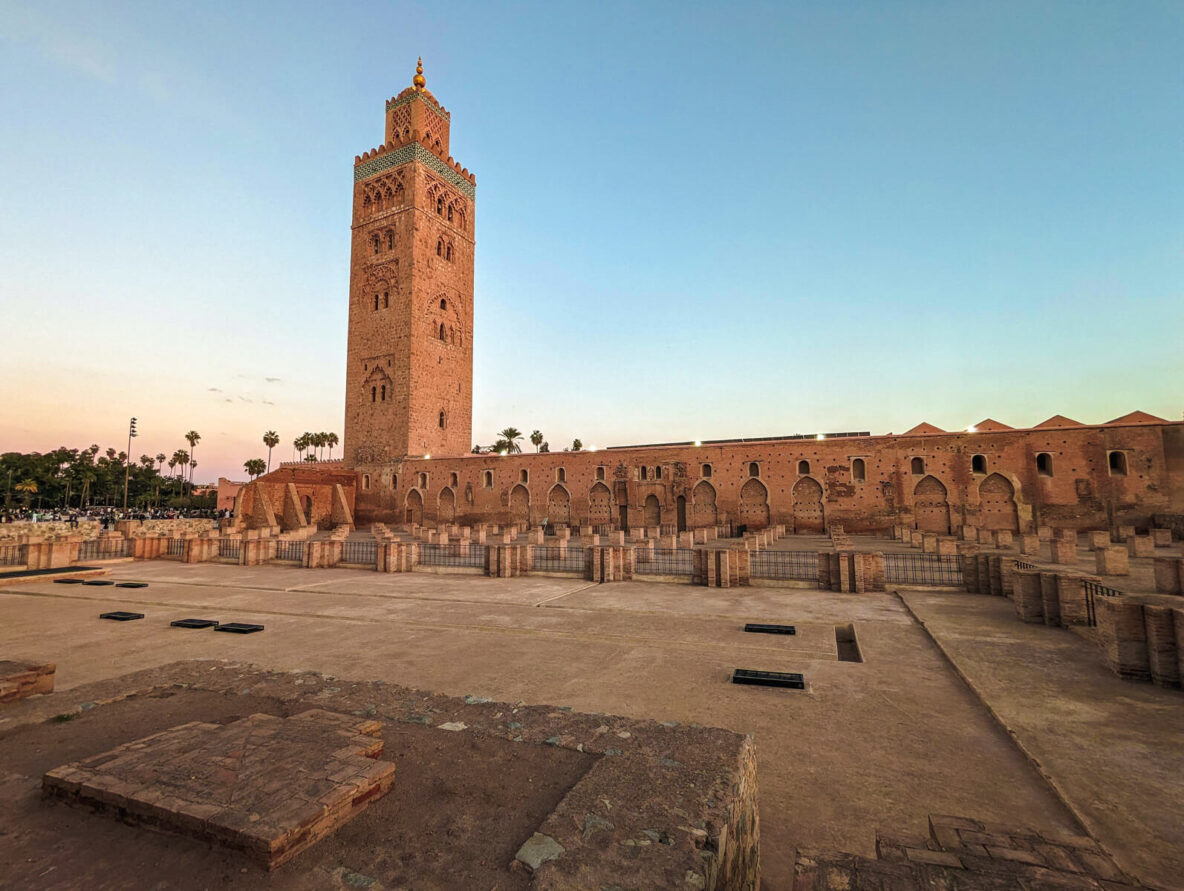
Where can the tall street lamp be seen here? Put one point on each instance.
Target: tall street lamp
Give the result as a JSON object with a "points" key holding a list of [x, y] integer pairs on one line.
{"points": [[127, 467]]}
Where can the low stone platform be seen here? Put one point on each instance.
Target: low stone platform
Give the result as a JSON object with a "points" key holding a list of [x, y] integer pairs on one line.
{"points": [[968, 855], [20, 679], [265, 785]]}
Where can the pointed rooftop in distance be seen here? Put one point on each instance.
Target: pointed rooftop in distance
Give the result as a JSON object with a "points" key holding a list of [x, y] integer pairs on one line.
{"points": [[923, 429], [989, 425], [1058, 421], [1137, 417]]}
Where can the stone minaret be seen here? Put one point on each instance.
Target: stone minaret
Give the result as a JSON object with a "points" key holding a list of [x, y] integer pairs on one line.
{"points": [[409, 378]]}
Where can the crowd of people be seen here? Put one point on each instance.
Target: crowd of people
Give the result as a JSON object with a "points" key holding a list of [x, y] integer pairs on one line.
{"points": [[105, 516]]}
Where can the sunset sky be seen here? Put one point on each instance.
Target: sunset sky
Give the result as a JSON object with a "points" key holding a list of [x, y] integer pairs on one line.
{"points": [[693, 220]]}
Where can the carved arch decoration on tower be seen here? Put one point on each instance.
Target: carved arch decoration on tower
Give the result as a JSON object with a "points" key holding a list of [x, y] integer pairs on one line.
{"points": [[931, 509], [444, 309]]}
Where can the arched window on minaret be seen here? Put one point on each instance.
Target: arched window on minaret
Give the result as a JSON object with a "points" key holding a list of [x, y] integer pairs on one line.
{"points": [[440, 247], [384, 392], [376, 301], [374, 394], [448, 252], [440, 205], [450, 213], [443, 332], [390, 239]]}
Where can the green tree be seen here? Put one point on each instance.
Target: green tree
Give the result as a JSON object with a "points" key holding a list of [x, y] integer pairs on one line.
{"points": [[270, 439], [536, 439], [576, 445], [509, 439], [27, 488], [193, 438]]}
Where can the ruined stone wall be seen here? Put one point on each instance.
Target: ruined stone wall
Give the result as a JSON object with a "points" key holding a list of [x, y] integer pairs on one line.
{"points": [[314, 491], [941, 493]]}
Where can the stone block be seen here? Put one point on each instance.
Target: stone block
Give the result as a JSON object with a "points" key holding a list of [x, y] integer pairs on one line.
{"points": [[1125, 532], [1064, 551], [1050, 597], [1028, 596], [1163, 656], [1099, 539], [1162, 537], [947, 547], [1029, 543], [929, 543], [1113, 560], [970, 533], [1003, 538], [1044, 533], [1122, 635], [1140, 546], [1071, 599], [1169, 575]]}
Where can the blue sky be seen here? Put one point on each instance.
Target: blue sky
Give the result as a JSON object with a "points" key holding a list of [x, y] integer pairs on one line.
{"points": [[693, 220]]}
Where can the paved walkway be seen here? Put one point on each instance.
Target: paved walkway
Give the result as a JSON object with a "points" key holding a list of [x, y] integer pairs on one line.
{"points": [[1113, 748], [880, 743]]}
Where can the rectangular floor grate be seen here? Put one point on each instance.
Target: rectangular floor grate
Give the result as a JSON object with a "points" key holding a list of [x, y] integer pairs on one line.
{"points": [[238, 627], [194, 623], [763, 628], [121, 616], [792, 680]]}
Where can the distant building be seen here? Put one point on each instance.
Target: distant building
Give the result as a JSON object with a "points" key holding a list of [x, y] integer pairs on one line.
{"points": [[227, 491]]}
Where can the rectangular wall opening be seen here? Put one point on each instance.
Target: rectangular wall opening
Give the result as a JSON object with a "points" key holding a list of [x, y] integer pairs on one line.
{"points": [[847, 644]]}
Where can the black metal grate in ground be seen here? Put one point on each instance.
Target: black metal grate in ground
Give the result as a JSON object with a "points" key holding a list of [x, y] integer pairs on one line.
{"points": [[238, 627], [553, 559], [194, 623], [664, 561], [763, 628], [790, 679], [104, 548], [796, 565], [938, 570], [121, 616], [470, 556], [360, 553]]}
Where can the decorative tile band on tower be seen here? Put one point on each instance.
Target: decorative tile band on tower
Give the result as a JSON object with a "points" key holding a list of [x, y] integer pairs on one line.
{"points": [[414, 152]]}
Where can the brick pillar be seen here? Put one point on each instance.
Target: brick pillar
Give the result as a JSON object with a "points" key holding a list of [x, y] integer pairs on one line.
{"points": [[723, 566], [823, 570], [1044, 533], [1099, 539], [1030, 543], [741, 567], [1071, 596], [1169, 575], [1029, 601], [929, 542], [873, 576], [702, 568], [1112, 561], [686, 540], [1140, 546], [846, 572], [986, 538], [1063, 550], [969, 533], [947, 547], [1162, 537], [1163, 656], [1122, 635], [984, 573], [1050, 596], [969, 566], [1125, 532], [1003, 538]]}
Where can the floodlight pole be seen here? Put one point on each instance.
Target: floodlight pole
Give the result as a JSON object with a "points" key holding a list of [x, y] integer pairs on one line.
{"points": [[127, 467]]}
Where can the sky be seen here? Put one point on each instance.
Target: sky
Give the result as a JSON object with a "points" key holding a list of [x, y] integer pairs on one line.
{"points": [[693, 220]]}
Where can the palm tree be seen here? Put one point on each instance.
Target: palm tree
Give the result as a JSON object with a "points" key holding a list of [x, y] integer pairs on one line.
{"points": [[331, 440], [298, 445], [182, 458], [146, 461], [536, 439], [510, 437], [28, 488], [270, 439], [254, 467], [193, 438], [161, 457]]}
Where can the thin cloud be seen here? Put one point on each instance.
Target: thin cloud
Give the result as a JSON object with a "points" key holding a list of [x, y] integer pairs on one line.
{"points": [[272, 380], [214, 390]]}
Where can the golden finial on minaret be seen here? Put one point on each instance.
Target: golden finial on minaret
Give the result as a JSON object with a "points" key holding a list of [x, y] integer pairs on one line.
{"points": [[418, 81]]}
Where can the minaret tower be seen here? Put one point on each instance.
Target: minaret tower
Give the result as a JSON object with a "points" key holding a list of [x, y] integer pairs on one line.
{"points": [[409, 378]]}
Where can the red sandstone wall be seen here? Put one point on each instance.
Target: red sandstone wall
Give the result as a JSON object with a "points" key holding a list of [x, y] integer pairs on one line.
{"points": [[314, 489], [1081, 491]]}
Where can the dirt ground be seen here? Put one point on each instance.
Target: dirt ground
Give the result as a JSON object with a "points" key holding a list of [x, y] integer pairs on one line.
{"points": [[460, 808]]}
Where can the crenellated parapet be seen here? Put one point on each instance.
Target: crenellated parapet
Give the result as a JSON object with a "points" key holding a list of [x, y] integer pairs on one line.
{"points": [[398, 151]]}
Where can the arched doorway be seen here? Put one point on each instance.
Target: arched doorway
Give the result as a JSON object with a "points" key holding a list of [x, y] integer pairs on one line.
{"points": [[807, 506], [600, 505], [931, 510], [558, 505], [307, 500], [520, 504], [414, 507], [996, 498], [754, 504], [703, 498], [652, 511], [680, 510], [446, 508]]}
